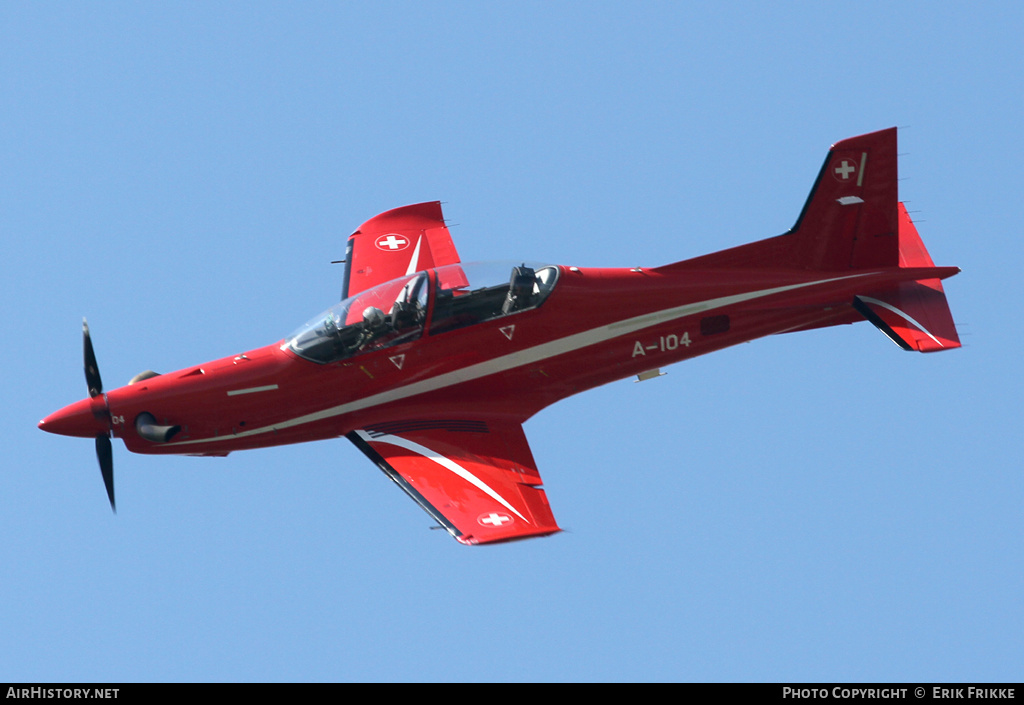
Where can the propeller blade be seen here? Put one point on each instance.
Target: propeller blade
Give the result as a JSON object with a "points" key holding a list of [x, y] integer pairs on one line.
{"points": [[92, 370], [104, 453], [106, 458]]}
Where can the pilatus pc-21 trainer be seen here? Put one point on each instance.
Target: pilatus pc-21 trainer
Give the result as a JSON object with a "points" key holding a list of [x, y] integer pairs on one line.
{"points": [[431, 366]]}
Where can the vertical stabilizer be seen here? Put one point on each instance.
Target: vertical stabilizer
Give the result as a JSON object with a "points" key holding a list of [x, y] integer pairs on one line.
{"points": [[849, 220]]}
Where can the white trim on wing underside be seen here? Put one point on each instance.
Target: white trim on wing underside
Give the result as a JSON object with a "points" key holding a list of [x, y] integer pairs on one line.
{"points": [[444, 462]]}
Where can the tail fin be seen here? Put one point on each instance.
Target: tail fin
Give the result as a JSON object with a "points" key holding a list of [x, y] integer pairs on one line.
{"points": [[915, 315], [852, 220], [849, 220]]}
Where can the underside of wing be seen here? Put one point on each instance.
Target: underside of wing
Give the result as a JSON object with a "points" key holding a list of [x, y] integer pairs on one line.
{"points": [[477, 478], [395, 243]]}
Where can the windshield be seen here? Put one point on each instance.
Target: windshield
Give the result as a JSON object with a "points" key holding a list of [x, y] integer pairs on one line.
{"points": [[383, 315], [396, 312]]}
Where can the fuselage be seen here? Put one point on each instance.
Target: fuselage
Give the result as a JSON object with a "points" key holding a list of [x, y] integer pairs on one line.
{"points": [[429, 366], [595, 326]]}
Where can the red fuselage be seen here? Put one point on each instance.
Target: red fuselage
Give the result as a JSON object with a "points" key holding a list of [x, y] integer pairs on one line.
{"points": [[597, 325], [430, 366]]}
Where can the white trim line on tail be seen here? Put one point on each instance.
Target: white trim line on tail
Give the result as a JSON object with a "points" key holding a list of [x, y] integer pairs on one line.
{"points": [[443, 462], [903, 315]]}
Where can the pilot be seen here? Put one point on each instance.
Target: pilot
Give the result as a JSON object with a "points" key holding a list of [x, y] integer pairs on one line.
{"points": [[372, 327], [373, 318], [520, 289], [410, 307]]}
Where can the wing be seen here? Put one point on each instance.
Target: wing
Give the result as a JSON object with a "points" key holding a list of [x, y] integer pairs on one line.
{"points": [[398, 242], [476, 478]]}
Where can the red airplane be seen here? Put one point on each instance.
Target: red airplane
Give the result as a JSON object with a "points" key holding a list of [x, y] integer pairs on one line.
{"points": [[431, 366]]}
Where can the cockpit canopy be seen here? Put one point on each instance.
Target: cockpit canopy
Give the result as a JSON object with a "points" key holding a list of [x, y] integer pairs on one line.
{"points": [[395, 312]]}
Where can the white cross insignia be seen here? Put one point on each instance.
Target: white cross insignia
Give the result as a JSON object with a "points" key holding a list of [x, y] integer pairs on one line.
{"points": [[494, 519], [844, 170], [391, 242]]}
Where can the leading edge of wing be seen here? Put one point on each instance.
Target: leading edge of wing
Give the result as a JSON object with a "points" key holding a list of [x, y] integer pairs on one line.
{"points": [[476, 478]]}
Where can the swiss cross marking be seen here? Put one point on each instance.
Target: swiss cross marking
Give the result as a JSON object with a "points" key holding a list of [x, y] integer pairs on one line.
{"points": [[392, 242], [494, 519], [844, 170]]}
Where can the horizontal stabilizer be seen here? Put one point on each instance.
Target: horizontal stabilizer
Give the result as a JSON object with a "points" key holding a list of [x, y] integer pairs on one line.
{"points": [[914, 315]]}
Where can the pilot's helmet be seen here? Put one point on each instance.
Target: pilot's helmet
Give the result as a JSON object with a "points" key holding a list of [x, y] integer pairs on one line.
{"points": [[373, 317]]}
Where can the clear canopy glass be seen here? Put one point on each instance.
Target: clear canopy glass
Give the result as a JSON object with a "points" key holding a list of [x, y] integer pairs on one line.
{"points": [[396, 312]]}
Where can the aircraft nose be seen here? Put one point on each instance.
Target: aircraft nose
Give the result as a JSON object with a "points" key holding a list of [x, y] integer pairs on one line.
{"points": [[79, 419]]}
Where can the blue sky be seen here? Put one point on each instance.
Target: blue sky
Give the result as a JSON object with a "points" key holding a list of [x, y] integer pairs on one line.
{"points": [[819, 506]]}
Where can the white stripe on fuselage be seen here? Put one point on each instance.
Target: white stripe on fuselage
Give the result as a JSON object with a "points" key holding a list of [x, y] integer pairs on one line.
{"points": [[527, 356], [252, 390]]}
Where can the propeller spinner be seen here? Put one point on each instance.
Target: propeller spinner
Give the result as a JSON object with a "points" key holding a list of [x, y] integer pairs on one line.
{"points": [[88, 417]]}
